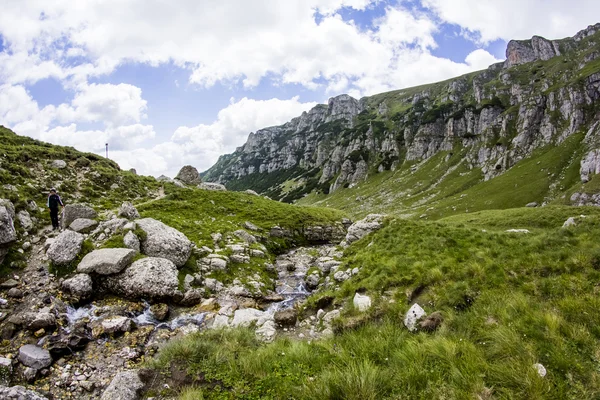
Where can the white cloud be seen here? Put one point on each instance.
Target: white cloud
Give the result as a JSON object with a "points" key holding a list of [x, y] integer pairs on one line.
{"points": [[517, 19]]}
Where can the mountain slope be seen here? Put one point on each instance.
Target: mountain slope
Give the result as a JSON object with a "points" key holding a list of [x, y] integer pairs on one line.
{"points": [[438, 140]]}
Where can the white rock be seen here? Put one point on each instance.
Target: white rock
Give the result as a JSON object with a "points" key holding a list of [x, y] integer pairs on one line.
{"points": [[518, 231], [106, 261], [164, 241], [34, 356], [65, 248], [541, 370], [126, 385], [246, 317], [59, 164], [362, 228], [146, 278], [330, 316], [361, 302], [570, 222], [220, 321], [412, 316]]}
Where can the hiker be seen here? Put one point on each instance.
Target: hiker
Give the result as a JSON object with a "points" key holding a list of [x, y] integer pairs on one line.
{"points": [[54, 202]]}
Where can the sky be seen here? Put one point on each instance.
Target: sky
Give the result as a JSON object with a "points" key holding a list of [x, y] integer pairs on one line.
{"points": [[172, 83]]}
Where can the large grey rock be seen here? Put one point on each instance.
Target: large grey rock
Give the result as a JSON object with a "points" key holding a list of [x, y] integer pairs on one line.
{"points": [[6, 370], [246, 317], [79, 286], [126, 385], [414, 314], [245, 236], [25, 220], [59, 164], [19, 393], [165, 242], [8, 234], [154, 278], [65, 248], [10, 207], [34, 356], [111, 325], [127, 210], [189, 175], [106, 261], [83, 225], [361, 302], [362, 228], [131, 241], [38, 320], [73, 211], [212, 186]]}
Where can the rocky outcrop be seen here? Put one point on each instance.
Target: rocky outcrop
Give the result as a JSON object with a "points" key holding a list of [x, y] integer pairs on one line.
{"points": [[148, 278], [189, 175], [212, 186], [106, 261], [127, 210], [362, 228], [165, 242], [83, 225], [65, 248], [8, 233]]}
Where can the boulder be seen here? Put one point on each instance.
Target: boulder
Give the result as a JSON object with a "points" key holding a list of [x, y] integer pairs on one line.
{"points": [[6, 370], [252, 192], [19, 393], [532, 205], [34, 356], [249, 225], [570, 222], [212, 186], [126, 385], [9, 284], [66, 343], [246, 317], [127, 210], [540, 369], [160, 311], [79, 286], [245, 236], [164, 242], [83, 225], [8, 234], [15, 293], [131, 241], [330, 316], [65, 248], [164, 178], [111, 326], [73, 211], [106, 261], [10, 208], [38, 320], [362, 228], [286, 318], [25, 220], [189, 175], [59, 164], [361, 302], [154, 278], [414, 314]]}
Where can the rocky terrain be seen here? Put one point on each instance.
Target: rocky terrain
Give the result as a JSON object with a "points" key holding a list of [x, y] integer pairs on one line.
{"points": [[482, 124]]}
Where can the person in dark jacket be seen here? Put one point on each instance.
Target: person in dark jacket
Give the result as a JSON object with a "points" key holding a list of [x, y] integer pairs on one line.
{"points": [[54, 203]]}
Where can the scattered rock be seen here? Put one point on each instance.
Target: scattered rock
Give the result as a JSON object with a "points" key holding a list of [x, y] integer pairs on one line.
{"points": [[246, 317], [29, 374], [286, 318], [106, 261], [127, 210], [251, 226], [25, 220], [541, 370], [518, 231], [361, 302], [165, 242], [570, 222], [126, 385], [212, 186], [8, 234], [111, 326], [73, 211], [6, 370], [38, 320], [83, 225], [9, 284], [15, 293], [59, 164], [19, 393], [79, 286], [362, 228], [34, 356], [252, 192], [432, 322], [413, 316], [65, 248], [132, 242], [152, 277], [532, 205], [330, 316], [245, 236]]}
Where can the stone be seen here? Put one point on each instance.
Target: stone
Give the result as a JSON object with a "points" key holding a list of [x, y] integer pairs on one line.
{"points": [[152, 277], [252, 192], [267, 331], [570, 222], [34, 356], [245, 236], [342, 276], [220, 321], [38, 320], [189, 175], [9, 284], [250, 226], [26, 246], [126, 385], [432, 322], [414, 314], [65, 248], [25, 220], [361, 302], [15, 293], [29, 374], [127, 210], [312, 281], [58, 164], [160, 311], [518, 231], [330, 316], [164, 242], [532, 205], [132, 242], [8, 234], [212, 186], [106, 261], [111, 326], [164, 178], [19, 393], [245, 317], [213, 285], [83, 225], [362, 228], [286, 318], [65, 344], [541, 370], [73, 211], [192, 297], [79, 286]]}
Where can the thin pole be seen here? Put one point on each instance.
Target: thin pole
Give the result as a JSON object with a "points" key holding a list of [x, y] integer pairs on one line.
{"points": [[106, 150]]}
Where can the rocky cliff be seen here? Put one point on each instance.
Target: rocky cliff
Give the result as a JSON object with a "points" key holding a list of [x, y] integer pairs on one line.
{"points": [[545, 92]]}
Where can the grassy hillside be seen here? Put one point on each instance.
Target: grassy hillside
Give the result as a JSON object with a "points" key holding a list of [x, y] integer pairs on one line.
{"points": [[508, 301]]}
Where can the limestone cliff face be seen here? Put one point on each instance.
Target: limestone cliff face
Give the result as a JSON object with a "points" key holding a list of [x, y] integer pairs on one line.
{"points": [[545, 92]]}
